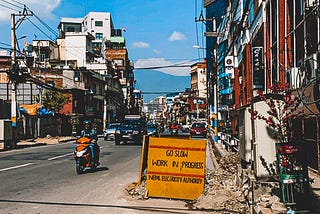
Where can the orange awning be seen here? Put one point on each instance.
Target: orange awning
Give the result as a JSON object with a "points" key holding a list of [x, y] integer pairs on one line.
{"points": [[31, 109]]}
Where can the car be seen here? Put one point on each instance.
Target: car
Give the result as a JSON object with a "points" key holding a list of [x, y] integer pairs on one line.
{"points": [[185, 127], [108, 134], [152, 129], [130, 130], [198, 129]]}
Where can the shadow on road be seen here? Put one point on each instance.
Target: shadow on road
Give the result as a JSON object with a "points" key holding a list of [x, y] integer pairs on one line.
{"points": [[140, 208], [98, 169]]}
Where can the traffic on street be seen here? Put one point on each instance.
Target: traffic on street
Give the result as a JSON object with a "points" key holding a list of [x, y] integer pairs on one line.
{"points": [[203, 106]]}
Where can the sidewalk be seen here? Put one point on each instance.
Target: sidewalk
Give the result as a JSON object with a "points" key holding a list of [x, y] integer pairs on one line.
{"points": [[220, 151], [39, 142]]}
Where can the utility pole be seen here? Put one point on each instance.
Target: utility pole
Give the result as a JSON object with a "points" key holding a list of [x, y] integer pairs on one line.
{"points": [[39, 86], [213, 34], [15, 71], [13, 80]]}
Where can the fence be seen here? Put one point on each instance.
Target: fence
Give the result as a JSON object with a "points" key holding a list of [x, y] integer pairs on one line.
{"points": [[230, 142]]}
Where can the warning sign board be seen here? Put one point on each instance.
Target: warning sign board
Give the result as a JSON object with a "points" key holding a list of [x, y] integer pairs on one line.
{"points": [[176, 168]]}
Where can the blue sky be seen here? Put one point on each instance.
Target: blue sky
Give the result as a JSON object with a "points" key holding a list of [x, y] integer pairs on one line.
{"points": [[158, 32]]}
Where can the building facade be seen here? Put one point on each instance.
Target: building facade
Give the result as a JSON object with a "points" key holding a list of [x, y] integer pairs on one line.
{"points": [[199, 79], [272, 42]]}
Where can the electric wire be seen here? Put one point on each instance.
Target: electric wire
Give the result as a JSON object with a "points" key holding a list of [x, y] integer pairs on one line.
{"points": [[17, 2], [5, 6], [10, 3], [5, 44], [177, 65], [39, 28], [46, 25]]}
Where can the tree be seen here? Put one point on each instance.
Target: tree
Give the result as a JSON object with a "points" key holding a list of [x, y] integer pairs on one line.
{"points": [[54, 100], [280, 111]]}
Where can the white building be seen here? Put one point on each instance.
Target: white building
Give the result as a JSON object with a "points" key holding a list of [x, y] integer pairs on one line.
{"points": [[99, 24], [81, 39], [199, 79]]}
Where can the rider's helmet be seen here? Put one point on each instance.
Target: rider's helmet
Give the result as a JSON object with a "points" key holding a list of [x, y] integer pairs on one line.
{"points": [[86, 124]]}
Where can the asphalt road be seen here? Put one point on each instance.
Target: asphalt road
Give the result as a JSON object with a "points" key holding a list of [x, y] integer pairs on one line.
{"points": [[43, 180]]}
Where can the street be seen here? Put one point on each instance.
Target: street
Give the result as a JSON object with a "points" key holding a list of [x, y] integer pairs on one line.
{"points": [[43, 180]]}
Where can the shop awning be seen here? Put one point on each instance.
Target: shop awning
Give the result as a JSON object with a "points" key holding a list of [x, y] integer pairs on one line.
{"points": [[35, 109], [30, 109]]}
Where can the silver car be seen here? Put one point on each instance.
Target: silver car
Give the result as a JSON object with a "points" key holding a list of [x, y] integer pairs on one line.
{"points": [[108, 134]]}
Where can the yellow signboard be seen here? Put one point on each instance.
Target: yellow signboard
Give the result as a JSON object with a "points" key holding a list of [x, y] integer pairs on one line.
{"points": [[176, 168]]}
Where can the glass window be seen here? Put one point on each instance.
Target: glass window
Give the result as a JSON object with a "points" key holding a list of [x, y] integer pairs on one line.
{"points": [[98, 23], [99, 36]]}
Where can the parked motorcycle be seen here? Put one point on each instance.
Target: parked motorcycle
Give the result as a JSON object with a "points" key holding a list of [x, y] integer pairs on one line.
{"points": [[82, 155]]}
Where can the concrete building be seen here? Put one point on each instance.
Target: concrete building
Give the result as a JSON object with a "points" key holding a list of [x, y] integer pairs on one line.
{"points": [[199, 79], [76, 64], [272, 42]]}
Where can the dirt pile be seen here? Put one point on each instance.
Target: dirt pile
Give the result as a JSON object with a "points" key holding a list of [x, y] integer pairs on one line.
{"points": [[221, 193]]}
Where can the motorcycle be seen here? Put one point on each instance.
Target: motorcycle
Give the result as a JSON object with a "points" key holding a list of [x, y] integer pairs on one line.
{"points": [[82, 155], [174, 131]]}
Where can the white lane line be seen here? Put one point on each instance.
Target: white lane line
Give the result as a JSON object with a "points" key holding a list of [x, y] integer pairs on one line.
{"points": [[15, 167], [60, 156]]}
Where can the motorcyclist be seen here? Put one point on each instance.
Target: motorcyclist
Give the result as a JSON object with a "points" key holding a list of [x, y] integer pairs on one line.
{"points": [[174, 126], [89, 132]]}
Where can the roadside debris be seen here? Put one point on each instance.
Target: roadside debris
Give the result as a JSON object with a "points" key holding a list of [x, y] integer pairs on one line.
{"points": [[221, 194]]}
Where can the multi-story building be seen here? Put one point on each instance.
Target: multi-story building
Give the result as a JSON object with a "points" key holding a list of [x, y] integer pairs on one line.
{"points": [[76, 64], [270, 42], [199, 79], [100, 25], [117, 53]]}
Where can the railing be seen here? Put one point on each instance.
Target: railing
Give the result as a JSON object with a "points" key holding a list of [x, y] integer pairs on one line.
{"points": [[231, 143]]}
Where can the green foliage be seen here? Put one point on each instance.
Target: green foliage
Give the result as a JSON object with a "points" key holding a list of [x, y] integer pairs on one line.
{"points": [[54, 100]]}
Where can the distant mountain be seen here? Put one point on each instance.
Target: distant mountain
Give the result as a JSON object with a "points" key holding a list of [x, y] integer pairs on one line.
{"points": [[159, 82]]}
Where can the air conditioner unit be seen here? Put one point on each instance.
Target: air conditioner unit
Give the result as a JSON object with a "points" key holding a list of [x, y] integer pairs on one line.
{"points": [[310, 3], [295, 77], [229, 65], [311, 66]]}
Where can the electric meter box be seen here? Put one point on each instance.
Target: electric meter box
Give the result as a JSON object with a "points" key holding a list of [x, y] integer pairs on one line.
{"points": [[5, 130]]}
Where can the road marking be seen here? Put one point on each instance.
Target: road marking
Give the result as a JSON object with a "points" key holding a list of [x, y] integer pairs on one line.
{"points": [[15, 167], [60, 156]]}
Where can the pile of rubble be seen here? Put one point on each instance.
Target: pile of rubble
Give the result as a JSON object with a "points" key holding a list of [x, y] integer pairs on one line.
{"points": [[222, 194]]}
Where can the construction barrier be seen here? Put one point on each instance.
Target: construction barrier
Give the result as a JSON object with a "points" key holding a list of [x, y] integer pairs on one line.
{"points": [[175, 167]]}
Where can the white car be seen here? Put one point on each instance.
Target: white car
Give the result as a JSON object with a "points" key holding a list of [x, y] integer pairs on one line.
{"points": [[108, 134]]}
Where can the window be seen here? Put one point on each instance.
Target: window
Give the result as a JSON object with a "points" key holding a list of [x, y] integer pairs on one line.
{"points": [[119, 62], [76, 76], [98, 23], [99, 36], [42, 57]]}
